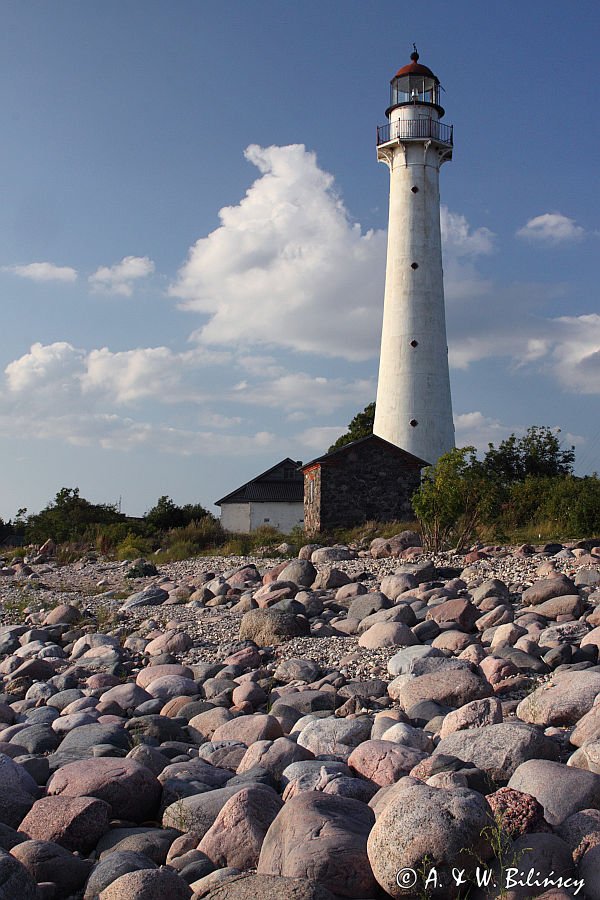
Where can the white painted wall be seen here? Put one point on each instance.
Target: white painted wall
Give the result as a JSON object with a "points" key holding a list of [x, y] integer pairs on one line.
{"points": [[414, 382], [283, 516], [236, 517], [246, 517]]}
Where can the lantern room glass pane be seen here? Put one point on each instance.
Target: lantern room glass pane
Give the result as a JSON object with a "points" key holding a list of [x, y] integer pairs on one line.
{"points": [[414, 89]]}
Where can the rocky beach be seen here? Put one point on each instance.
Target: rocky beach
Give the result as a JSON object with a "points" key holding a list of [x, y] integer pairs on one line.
{"points": [[343, 722]]}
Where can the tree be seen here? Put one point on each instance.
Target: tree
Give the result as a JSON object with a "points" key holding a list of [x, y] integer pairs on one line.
{"points": [[537, 454], [166, 514], [361, 426], [454, 498], [69, 517]]}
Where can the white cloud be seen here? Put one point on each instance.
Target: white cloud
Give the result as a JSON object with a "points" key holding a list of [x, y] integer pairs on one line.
{"points": [[318, 439], [43, 271], [574, 352], [475, 429], [300, 391], [51, 369], [551, 228], [133, 375], [119, 279], [286, 266], [460, 240]]}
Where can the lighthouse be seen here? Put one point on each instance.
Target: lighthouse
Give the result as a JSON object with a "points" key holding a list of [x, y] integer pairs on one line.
{"points": [[414, 406]]}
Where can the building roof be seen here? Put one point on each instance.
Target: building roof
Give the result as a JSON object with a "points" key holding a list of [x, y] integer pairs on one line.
{"points": [[333, 457], [415, 68], [271, 486]]}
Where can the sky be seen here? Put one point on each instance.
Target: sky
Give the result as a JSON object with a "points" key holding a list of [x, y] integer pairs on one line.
{"points": [[193, 229]]}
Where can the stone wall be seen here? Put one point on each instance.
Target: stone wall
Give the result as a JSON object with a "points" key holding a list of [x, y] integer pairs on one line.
{"points": [[367, 482], [312, 499]]}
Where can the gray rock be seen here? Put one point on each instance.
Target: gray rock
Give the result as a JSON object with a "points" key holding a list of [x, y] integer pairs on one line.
{"points": [[198, 813], [402, 663], [546, 589], [297, 670], [247, 886], [46, 861], [300, 571], [150, 596], [148, 884], [82, 739], [498, 749], [112, 867], [15, 880], [420, 827], [560, 789], [335, 737], [267, 627], [561, 701], [153, 843], [491, 587]]}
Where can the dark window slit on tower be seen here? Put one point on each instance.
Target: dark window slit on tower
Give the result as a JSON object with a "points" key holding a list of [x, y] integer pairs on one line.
{"points": [[414, 343], [413, 423], [414, 265]]}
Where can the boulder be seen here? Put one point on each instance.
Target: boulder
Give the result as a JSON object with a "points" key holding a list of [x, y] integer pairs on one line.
{"points": [[46, 861], [247, 886], [546, 589], [384, 762], [76, 823], [131, 790], [112, 867], [420, 827], [334, 736], [561, 701], [448, 685], [498, 749], [148, 884], [15, 879], [236, 836], [269, 627], [336, 860], [560, 789]]}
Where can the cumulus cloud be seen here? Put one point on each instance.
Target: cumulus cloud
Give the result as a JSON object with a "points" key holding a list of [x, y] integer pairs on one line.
{"points": [[43, 271], [573, 352], [477, 430], [133, 375], [120, 278], [286, 266], [459, 239], [58, 391], [50, 369], [300, 391], [551, 228]]}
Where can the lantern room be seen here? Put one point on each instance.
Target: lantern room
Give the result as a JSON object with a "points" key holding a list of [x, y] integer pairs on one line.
{"points": [[415, 84]]}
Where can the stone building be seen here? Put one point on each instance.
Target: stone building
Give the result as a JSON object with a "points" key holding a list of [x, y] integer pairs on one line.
{"points": [[367, 479], [272, 498]]}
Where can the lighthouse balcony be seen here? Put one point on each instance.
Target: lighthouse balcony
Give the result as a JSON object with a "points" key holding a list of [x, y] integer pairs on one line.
{"points": [[415, 130]]}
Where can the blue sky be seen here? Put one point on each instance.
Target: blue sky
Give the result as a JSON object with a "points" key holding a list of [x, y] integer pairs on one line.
{"points": [[192, 233]]}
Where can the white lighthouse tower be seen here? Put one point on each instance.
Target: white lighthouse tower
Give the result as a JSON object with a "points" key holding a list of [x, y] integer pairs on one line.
{"points": [[414, 407]]}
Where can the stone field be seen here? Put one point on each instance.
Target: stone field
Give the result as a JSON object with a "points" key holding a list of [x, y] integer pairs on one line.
{"points": [[340, 723]]}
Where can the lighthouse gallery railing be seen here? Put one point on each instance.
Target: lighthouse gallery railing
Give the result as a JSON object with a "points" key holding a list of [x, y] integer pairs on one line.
{"points": [[415, 129]]}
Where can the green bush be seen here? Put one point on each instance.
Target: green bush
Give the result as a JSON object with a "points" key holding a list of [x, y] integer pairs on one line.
{"points": [[134, 545], [454, 499], [202, 533]]}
